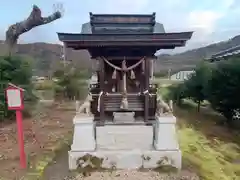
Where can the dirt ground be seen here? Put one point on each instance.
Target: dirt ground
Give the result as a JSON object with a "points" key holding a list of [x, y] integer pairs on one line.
{"points": [[53, 123], [42, 132], [138, 175], [50, 125]]}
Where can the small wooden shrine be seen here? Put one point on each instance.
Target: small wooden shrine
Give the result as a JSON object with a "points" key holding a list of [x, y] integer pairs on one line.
{"points": [[123, 47]]}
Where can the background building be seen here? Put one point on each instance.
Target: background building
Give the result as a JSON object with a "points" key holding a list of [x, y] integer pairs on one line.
{"points": [[181, 75]]}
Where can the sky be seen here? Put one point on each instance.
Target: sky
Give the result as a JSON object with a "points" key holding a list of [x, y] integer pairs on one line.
{"points": [[211, 20]]}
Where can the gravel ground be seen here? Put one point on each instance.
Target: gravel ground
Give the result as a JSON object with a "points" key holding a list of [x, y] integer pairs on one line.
{"points": [[135, 175]]}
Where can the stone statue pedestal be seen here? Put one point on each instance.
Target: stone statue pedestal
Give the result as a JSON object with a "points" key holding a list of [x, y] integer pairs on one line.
{"points": [[84, 134], [126, 146], [165, 133], [165, 138]]}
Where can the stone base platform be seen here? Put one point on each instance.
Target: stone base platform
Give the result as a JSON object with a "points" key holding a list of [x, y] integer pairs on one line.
{"points": [[129, 159], [124, 147]]}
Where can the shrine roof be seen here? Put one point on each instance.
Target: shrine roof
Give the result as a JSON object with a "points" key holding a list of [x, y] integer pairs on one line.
{"points": [[122, 24], [122, 18], [225, 54], [160, 40]]}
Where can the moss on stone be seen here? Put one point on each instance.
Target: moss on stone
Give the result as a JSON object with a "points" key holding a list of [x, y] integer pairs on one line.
{"points": [[165, 165], [146, 158], [89, 163]]}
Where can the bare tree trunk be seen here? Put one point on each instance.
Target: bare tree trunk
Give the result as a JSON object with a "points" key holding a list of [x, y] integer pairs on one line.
{"points": [[35, 19]]}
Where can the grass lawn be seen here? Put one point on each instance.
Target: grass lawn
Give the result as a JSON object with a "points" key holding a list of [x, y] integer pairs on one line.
{"points": [[212, 151]]}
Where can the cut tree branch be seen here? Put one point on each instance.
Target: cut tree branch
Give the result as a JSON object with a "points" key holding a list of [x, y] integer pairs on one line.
{"points": [[35, 19]]}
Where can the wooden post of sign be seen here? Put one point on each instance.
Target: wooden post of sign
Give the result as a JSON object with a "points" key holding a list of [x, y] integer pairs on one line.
{"points": [[14, 95], [23, 162]]}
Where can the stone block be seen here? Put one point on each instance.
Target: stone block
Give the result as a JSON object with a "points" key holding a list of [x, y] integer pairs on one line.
{"points": [[130, 159], [165, 134], [83, 137]]}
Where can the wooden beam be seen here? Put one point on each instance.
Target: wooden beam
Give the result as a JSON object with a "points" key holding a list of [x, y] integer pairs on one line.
{"points": [[142, 79], [152, 44], [182, 36], [119, 58]]}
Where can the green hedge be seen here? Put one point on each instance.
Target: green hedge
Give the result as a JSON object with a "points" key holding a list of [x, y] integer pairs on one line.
{"points": [[219, 84], [19, 72]]}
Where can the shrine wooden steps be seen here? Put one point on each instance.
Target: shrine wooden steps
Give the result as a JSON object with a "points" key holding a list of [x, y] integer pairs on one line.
{"points": [[113, 102]]}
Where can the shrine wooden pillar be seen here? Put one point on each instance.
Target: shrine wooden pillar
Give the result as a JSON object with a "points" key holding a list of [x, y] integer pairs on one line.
{"points": [[142, 77], [147, 76], [101, 78], [151, 65]]}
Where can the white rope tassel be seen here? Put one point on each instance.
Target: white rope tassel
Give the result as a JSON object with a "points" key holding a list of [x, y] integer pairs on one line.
{"points": [[132, 75], [124, 103], [114, 75], [99, 98]]}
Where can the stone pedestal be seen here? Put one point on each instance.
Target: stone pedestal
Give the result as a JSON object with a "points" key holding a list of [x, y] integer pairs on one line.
{"points": [[166, 138], [84, 134], [124, 146]]}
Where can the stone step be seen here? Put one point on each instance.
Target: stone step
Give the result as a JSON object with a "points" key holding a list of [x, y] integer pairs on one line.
{"points": [[116, 104], [123, 117]]}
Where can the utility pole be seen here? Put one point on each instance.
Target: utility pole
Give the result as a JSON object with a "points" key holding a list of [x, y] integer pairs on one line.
{"points": [[64, 55], [169, 73]]}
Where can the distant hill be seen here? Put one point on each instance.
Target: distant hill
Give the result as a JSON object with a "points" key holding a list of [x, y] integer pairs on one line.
{"points": [[187, 60], [46, 56]]}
